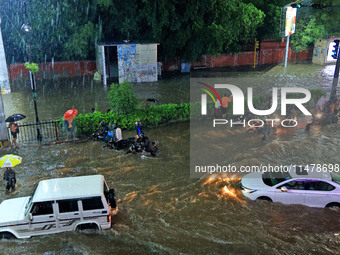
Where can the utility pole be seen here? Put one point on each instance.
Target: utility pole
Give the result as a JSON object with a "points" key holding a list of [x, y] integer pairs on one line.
{"points": [[5, 88]]}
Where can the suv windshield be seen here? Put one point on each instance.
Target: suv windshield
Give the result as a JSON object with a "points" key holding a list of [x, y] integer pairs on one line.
{"points": [[273, 178], [28, 205]]}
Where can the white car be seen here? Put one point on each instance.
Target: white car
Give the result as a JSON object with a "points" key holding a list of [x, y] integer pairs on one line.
{"points": [[300, 185], [57, 205]]}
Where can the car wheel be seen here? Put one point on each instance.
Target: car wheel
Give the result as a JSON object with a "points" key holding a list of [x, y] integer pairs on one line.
{"points": [[264, 199], [334, 207]]}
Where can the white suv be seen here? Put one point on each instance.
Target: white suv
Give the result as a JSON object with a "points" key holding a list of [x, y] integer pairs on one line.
{"points": [[300, 185], [57, 205]]}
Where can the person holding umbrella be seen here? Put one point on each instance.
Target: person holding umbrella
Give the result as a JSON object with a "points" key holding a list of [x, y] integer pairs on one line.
{"points": [[10, 161], [68, 122], [14, 128], [9, 176]]}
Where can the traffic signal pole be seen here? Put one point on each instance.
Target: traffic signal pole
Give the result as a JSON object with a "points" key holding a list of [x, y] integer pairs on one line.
{"points": [[335, 79]]}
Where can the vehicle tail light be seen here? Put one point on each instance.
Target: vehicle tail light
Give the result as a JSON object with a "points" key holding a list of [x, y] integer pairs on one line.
{"points": [[109, 218]]}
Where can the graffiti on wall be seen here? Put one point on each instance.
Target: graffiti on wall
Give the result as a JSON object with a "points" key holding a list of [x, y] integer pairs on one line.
{"points": [[137, 63], [5, 87], [126, 63], [146, 62]]}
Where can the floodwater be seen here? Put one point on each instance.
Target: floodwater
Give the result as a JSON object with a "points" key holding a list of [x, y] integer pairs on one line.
{"points": [[163, 210]]}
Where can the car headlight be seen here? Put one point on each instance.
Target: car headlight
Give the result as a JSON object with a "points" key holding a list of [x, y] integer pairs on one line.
{"points": [[247, 190]]}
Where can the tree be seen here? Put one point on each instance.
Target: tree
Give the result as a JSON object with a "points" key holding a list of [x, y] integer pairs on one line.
{"points": [[61, 29], [273, 22], [122, 98], [184, 29], [329, 16], [307, 31]]}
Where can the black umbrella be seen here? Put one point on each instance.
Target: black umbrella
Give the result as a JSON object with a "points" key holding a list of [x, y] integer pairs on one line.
{"points": [[15, 117]]}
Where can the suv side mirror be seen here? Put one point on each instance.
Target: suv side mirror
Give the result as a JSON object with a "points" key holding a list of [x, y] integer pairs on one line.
{"points": [[30, 216], [284, 189]]}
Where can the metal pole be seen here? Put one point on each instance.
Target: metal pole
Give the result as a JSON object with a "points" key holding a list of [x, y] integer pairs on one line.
{"points": [[34, 95], [336, 78], [287, 49]]}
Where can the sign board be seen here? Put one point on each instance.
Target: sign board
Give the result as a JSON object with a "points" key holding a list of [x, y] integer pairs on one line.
{"points": [[290, 21]]}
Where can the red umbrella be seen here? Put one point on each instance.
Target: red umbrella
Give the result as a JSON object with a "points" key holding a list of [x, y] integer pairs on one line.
{"points": [[70, 113]]}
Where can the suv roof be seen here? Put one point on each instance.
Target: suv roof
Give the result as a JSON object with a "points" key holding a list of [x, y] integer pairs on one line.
{"points": [[69, 187]]}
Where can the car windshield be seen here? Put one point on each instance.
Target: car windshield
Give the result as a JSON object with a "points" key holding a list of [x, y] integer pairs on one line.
{"points": [[336, 177], [273, 178]]}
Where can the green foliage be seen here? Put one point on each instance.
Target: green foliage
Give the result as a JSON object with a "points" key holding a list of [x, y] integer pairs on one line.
{"points": [[150, 116], [328, 17], [81, 42], [184, 29], [307, 31], [122, 98], [33, 67], [270, 27]]}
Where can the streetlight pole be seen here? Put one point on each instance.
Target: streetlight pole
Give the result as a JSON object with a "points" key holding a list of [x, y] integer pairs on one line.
{"points": [[27, 28]]}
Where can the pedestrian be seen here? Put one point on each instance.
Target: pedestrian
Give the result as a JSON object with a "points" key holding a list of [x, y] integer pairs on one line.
{"points": [[93, 110], [321, 104], [266, 130], [309, 121], [225, 102], [119, 137], [111, 131], [14, 128], [217, 108], [70, 125], [139, 128], [9, 176]]}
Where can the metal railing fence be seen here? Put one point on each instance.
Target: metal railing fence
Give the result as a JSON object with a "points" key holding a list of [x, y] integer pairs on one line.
{"points": [[49, 130]]}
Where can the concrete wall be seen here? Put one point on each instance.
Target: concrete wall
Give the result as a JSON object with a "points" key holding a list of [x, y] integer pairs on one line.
{"points": [[52, 70], [271, 52], [320, 51]]}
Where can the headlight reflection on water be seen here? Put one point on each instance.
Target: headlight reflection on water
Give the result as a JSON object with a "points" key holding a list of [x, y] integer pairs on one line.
{"points": [[225, 186]]}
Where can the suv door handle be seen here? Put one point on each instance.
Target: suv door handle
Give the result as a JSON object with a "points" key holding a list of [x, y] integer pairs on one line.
{"points": [[76, 214]]}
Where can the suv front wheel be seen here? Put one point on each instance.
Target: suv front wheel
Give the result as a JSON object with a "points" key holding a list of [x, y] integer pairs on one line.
{"points": [[6, 235]]}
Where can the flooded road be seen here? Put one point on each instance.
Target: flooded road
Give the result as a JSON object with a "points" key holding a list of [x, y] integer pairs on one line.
{"points": [[163, 210]]}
